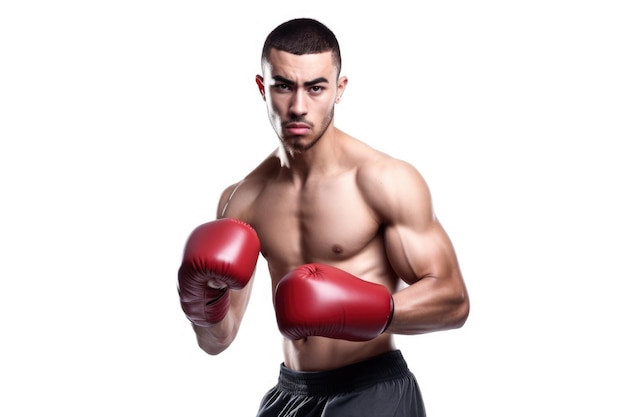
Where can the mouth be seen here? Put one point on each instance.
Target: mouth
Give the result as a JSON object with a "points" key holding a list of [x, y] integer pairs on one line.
{"points": [[297, 129]]}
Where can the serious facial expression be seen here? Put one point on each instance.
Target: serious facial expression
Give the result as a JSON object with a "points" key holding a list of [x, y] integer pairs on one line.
{"points": [[300, 92]]}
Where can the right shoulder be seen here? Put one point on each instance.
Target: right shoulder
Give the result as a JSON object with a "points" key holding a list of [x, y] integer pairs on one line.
{"points": [[237, 199]]}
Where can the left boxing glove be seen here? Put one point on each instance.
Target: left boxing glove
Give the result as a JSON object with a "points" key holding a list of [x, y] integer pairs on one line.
{"points": [[219, 256], [321, 300]]}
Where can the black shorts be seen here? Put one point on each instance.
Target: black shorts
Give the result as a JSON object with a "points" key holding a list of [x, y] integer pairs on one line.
{"points": [[379, 387]]}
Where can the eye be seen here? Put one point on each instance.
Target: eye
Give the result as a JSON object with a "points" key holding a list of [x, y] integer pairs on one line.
{"points": [[316, 89], [282, 87]]}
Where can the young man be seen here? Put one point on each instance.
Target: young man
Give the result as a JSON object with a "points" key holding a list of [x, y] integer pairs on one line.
{"points": [[354, 250]]}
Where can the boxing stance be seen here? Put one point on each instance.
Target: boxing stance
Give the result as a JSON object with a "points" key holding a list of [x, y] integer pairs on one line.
{"points": [[312, 300], [354, 250]]}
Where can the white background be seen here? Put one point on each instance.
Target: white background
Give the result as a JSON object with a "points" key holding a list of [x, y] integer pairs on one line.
{"points": [[122, 121]]}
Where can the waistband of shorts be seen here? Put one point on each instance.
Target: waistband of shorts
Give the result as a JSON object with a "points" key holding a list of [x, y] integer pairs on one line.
{"points": [[385, 367]]}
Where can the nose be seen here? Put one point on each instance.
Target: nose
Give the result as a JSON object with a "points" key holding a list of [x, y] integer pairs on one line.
{"points": [[298, 105]]}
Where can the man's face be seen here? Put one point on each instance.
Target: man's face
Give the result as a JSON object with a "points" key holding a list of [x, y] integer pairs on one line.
{"points": [[300, 92]]}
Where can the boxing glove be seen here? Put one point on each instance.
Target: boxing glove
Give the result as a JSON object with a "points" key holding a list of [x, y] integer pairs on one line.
{"points": [[218, 256], [321, 300]]}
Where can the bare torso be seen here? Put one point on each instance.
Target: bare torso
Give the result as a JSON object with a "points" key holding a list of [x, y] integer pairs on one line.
{"points": [[324, 218]]}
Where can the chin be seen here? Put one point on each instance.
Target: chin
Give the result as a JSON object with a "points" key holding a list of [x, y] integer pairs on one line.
{"points": [[300, 145], [296, 145], [295, 150]]}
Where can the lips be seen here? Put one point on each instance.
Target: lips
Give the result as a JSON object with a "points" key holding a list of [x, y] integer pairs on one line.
{"points": [[297, 128]]}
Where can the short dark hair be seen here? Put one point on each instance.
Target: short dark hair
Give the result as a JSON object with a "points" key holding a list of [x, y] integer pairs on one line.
{"points": [[303, 36]]}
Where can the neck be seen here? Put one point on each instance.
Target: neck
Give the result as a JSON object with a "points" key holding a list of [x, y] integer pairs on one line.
{"points": [[321, 159]]}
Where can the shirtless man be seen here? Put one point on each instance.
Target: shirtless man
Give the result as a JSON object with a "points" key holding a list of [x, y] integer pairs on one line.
{"points": [[354, 249]]}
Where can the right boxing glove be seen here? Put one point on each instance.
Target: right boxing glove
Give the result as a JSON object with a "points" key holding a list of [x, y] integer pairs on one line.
{"points": [[218, 256]]}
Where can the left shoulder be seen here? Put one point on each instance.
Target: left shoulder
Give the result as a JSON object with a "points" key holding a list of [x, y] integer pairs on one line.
{"points": [[393, 187]]}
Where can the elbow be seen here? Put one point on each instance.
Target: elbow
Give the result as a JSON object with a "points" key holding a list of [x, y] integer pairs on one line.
{"points": [[212, 350], [210, 343], [214, 347], [459, 318]]}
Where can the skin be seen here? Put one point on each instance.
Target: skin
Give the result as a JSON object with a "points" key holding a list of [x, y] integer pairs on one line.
{"points": [[324, 196]]}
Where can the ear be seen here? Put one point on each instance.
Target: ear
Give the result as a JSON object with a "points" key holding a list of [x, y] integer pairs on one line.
{"points": [[261, 86], [341, 88]]}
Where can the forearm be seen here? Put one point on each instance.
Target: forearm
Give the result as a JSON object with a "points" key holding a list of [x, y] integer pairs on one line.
{"points": [[428, 306], [216, 338]]}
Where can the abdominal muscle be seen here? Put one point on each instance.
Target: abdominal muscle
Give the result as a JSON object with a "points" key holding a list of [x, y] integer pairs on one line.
{"points": [[320, 353]]}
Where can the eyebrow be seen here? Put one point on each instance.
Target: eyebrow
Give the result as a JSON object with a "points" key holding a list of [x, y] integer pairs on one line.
{"points": [[306, 83]]}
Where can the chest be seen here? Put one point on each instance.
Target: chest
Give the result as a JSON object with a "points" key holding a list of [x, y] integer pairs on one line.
{"points": [[326, 222]]}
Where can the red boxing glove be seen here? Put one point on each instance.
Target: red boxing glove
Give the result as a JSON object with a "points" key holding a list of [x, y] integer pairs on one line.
{"points": [[223, 254], [321, 300]]}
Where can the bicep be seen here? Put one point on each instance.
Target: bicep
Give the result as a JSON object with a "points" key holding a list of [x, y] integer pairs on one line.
{"points": [[420, 251], [417, 246]]}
